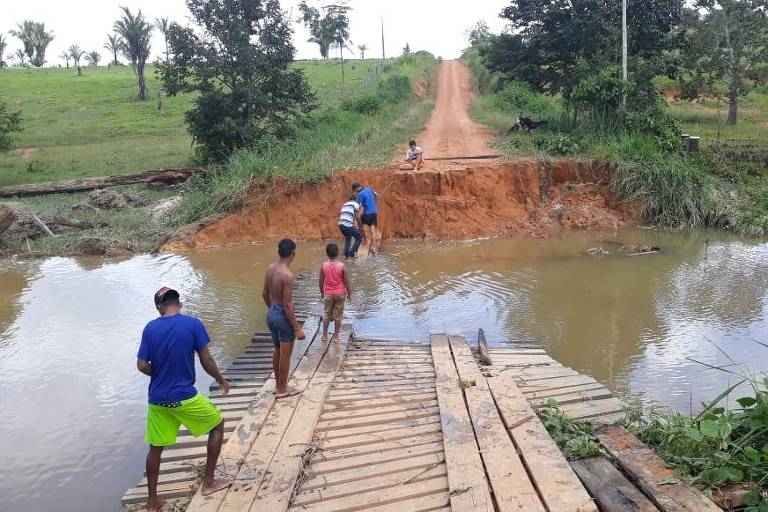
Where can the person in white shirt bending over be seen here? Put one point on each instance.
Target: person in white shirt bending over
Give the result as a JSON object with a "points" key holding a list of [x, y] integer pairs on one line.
{"points": [[414, 158]]}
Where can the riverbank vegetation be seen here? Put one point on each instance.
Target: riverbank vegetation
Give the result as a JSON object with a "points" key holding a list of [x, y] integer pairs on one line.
{"points": [[588, 111]]}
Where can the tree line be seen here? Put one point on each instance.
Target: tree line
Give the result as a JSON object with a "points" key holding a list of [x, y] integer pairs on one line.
{"points": [[572, 48]]}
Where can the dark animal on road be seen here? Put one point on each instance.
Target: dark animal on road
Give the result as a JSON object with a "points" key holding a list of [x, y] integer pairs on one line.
{"points": [[527, 124]]}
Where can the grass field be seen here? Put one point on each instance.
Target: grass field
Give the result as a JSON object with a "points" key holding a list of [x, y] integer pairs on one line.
{"points": [[92, 125]]}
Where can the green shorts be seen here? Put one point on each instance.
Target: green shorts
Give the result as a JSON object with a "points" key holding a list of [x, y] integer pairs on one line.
{"points": [[198, 414]]}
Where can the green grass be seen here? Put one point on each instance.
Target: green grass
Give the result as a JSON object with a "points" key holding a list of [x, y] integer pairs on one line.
{"points": [[92, 125], [707, 119]]}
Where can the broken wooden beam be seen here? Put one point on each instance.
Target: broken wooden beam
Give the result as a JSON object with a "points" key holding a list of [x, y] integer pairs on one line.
{"points": [[655, 479], [473, 157], [610, 488]]}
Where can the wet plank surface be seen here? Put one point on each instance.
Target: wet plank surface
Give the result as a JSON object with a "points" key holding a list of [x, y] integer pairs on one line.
{"points": [[542, 379]]}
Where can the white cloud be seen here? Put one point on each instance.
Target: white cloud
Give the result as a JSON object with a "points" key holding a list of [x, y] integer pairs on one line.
{"points": [[436, 26]]}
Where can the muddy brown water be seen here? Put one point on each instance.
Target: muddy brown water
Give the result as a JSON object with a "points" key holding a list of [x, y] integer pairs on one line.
{"points": [[73, 405]]}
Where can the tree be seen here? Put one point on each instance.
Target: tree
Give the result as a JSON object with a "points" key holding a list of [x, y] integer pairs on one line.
{"points": [[21, 57], [321, 33], [728, 42], [362, 49], [136, 33], [66, 56], [115, 45], [328, 26], [3, 47], [407, 50], [163, 24], [76, 53], [238, 61], [555, 44], [93, 58], [35, 39]]}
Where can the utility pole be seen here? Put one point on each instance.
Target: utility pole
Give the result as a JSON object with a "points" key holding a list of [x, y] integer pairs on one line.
{"points": [[383, 49], [624, 50]]}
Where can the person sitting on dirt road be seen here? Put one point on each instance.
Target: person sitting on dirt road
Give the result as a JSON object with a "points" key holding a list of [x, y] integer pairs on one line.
{"points": [[167, 355], [414, 157], [368, 199], [281, 317], [350, 224], [334, 289]]}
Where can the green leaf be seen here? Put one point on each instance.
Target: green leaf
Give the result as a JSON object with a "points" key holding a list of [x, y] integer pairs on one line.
{"points": [[710, 428], [752, 454], [746, 402]]}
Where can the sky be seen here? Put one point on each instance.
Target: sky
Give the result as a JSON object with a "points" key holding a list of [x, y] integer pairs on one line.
{"points": [[438, 26]]}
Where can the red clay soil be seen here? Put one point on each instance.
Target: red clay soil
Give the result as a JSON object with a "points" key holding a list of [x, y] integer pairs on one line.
{"points": [[523, 198]]}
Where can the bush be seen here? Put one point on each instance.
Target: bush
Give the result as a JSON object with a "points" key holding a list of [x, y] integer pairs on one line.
{"points": [[10, 122], [395, 88], [366, 105], [560, 145], [518, 97]]}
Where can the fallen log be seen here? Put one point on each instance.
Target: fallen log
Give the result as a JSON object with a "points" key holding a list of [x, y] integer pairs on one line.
{"points": [[166, 176], [476, 157]]}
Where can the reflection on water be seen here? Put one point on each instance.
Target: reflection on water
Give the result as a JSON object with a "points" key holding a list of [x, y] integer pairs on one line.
{"points": [[71, 431]]}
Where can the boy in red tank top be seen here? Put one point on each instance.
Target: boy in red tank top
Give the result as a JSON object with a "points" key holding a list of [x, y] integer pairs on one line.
{"points": [[334, 289]]}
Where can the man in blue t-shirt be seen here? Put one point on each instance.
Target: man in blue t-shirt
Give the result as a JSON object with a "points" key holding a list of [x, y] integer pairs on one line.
{"points": [[167, 355], [368, 199]]}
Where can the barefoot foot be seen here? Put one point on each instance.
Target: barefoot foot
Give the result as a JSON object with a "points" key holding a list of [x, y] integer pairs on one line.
{"points": [[155, 505], [215, 486], [287, 393]]}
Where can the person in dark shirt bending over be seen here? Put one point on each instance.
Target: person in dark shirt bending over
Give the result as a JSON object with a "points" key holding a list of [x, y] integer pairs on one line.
{"points": [[167, 356]]}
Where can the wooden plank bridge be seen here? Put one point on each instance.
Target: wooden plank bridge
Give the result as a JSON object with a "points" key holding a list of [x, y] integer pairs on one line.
{"points": [[386, 426]]}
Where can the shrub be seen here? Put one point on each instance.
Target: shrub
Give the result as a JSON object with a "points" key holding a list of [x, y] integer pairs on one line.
{"points": [[366, 105], [518, 97], [10, 122], [395, 88], [560, 145]]}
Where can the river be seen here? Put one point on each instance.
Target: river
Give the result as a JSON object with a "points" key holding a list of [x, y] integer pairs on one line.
{"points": [[73, 404]]}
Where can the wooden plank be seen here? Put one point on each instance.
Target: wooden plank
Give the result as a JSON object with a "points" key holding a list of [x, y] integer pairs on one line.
{"points": [[412, 497], [590, 395], [235, 452], [592, 409], [373, 483], [509, 480], [467, 482], [343, 476], [280, 482], [612, 491], [557, 483], [650, 473]]}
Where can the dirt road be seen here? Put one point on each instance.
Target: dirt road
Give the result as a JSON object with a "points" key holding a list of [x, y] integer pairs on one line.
{"points": [[450, 131]]}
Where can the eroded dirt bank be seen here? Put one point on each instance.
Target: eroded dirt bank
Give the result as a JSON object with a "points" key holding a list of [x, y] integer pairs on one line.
{"points": [[524, 198]]}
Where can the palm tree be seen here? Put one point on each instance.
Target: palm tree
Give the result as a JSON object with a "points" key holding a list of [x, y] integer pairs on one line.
{"points": [[35, 39], [163, 25], [114, 44], [93, 58], [76, 53], [66, 56], [363, 48], [3, 46], [136, 33]]}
